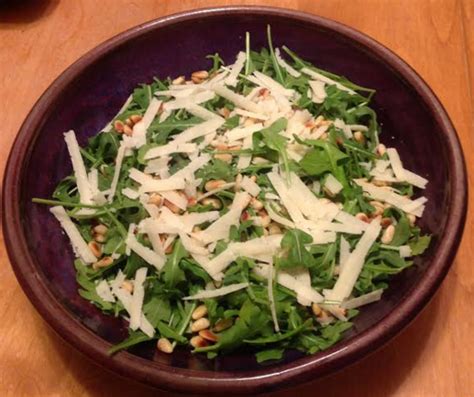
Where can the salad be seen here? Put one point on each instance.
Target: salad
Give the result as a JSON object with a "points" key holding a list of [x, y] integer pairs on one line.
{"points": [[250, 206]]}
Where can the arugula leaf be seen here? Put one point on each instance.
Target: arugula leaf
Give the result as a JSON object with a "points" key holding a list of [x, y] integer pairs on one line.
{"points": [[296, 254], [420, 245], [273, 140], [402, 232], [157, 309], [269, 354], [172, 273], [134, 338]]}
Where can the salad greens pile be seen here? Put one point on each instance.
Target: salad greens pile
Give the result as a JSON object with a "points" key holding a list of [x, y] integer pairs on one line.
{"points": [[251, 206]]}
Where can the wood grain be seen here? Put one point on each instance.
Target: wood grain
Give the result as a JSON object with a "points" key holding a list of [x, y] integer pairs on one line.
{"points": [[433, 357]]}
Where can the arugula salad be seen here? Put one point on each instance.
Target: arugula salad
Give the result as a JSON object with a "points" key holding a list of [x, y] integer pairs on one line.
{"points": [[249, 206]]}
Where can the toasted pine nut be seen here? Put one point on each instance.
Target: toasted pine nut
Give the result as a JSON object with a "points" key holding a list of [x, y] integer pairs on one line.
{"points": [[265, 220], [164, 345], [118, 125], [208, 335], [385, 222], [222, 324], [379, 208], [213, 184], [318, 121], [363, 217], [235, 147], [381, 149], [200, 324], [173, 208], [104, 262], [221, 146], [224, 112], [135, 118], [100, 238], [198, 76], [127, 285], [359, 136], [199, 312], [411, 219], [179, 80], [253, 178], [316, 309], [213, 202], [155, 199], [264, 92], [256, 204], [127, 130], [274, 229], [100, 229], [129, 122], [95, 248], [197, 341], [225, 157], [388, 234]]}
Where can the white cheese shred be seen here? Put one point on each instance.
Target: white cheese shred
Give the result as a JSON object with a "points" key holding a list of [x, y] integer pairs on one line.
{"points": [[207, 294]]}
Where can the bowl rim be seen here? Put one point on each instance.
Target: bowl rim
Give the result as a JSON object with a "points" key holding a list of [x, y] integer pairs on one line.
{"points": [[268, 378]]}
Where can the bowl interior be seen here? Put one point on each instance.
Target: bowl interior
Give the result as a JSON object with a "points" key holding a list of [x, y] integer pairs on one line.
{"points": [[91, 100]]}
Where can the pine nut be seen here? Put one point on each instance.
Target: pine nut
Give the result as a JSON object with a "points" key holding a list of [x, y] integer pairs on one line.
{"points": [[164, 345], [214, 184], [221, 146], [359, 136], [253, 178], [381, 149], [235, 147], [127, 130], [173, 208], [200, 324], [129, 122], [224, 112], [274, 229], [100, 238], [318, 121], [118, 125], [199, 76], [135, 118], [363, 217], [316, 309], [95, 248], [104, 262], [197, 341], [385, 222], [223, 324], [179, 80], [225, 157], [388, 234], [379, 208], [100, 229], [155, 199], [265, 219], [127, 286], [208, 335], [199, 312], [411, 219], [256, 204], [213, 202]]}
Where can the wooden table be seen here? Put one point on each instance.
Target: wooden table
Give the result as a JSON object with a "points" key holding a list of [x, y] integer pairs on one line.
{"points": [[433, 357]]}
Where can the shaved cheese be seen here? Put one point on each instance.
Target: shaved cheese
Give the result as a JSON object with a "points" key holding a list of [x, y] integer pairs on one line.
{"points": [[202, 112], [196, 99], [243, 132], [271, 298], [140, 128], [327, 80], [351, 220], [148, 184], [338, 123], [170, 148], [220, 228], [251, 249], [245, 159], [250, 186], [358, 127], [118, 166], [197, 218], [354, 263], [278, 218], [381, 165], [279, 185], [362, 300], [318, 91], [405, 251], [145, 253], [80, 173], [228, 289], [80, 247], [246, 113], [97, 196], [108, 127], [104, 292], [186, 91], [151, 208], [221, 188], [403, 174], [130, 193], [175, 198], [192, 245], [389, 196], [157, 165], [236, 69], [344, 252], [137, 298], [273, 85], [198, 130], [193, 166], [285, 65], [237, 99], [147, 226]]}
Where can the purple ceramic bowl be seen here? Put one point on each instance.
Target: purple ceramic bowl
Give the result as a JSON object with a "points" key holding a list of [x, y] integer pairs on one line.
{"points": [[90, 92]]}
